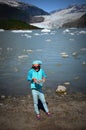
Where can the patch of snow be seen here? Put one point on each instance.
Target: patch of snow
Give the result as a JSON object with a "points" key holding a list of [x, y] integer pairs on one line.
{"points": [[12, 3]]}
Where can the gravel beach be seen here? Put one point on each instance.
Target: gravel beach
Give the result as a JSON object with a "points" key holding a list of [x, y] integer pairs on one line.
{"points": [[68, 112]]}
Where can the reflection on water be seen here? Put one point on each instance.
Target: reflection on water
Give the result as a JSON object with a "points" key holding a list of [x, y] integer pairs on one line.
{"points": [[62, 51]]}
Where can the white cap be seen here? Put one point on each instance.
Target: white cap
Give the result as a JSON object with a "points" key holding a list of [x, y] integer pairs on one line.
{"points": [[37, 62]]}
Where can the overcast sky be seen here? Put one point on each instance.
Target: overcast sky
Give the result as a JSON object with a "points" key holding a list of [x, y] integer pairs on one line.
{"points": [[51, 5]]}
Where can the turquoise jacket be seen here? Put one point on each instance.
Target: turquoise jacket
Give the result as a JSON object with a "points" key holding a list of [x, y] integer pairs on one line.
{"points": [[38, 75]]}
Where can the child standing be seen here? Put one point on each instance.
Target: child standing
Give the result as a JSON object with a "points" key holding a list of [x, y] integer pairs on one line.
{"points": [[37, 77]]}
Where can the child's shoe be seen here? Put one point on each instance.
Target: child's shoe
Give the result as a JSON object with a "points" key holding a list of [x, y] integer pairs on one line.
{"points": [[38, 116], [48, 114]]}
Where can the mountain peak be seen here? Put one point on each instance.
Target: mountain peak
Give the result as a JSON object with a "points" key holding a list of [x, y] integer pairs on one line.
{"points": [[12, 3]]}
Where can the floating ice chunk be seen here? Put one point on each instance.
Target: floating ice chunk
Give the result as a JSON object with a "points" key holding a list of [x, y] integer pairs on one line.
{"points": [[82, 32], [77, 77], [28, 51], [66, 31], [0, 49], [53, 32], [1, 30], [45, 30], [71, 34], [22, 56], [71, 39], [36, 34], [64, 55], [67, 83], [28, 36], [84, 63], [75, 54], [22, 31], [16, 69], [48, 40], [9, 49]]}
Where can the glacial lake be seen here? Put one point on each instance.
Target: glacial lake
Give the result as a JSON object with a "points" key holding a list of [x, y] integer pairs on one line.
{"points": [[62, 51]]}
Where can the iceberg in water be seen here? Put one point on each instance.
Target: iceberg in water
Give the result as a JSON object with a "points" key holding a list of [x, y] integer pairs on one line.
{"points": [[45, 30], [22, 31], [1, 30]]}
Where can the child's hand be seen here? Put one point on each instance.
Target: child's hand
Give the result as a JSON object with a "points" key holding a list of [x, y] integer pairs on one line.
{"points": [[43, 79], [34, 80]]}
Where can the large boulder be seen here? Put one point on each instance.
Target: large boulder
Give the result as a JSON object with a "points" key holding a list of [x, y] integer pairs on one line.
{"points": [[61, 90]]}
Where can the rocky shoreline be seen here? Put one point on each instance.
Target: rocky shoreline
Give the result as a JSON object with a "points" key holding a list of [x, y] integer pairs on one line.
{"points": [[68, 113]]}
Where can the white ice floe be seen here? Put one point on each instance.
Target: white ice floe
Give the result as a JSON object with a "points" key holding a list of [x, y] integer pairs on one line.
{"points": [[71, 39], [28, 36], [48, 40], [76, 78], [16, 69], [22, 31], [1, 30], [22, 56], [45, 30], [0, 49], [28, 51], [36, 34], [82, 32], [75, 54], [64, 55], [67, 83], [66, 31], [72, 34], [84, 63]]}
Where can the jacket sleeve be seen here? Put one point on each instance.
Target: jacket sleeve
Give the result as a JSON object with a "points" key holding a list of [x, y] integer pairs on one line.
{"points": [[43, 74], [29, 76]]}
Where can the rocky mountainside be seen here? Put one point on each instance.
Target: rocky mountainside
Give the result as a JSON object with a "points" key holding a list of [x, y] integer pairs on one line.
{"points": [[81, 22], [12, 9]]}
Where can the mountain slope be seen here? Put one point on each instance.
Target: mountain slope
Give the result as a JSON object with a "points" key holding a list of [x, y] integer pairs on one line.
{"points": [[21, 11], [81, 22], [8, 12], [15, 24], [61, 17], [28, 8]]}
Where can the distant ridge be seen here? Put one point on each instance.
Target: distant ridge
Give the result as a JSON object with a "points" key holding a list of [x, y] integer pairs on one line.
{"points": [[14, 10], [72, 16]]}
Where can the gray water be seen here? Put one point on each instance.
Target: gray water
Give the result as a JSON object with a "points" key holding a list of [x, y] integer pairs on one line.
{"points": [[19, 49]]}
